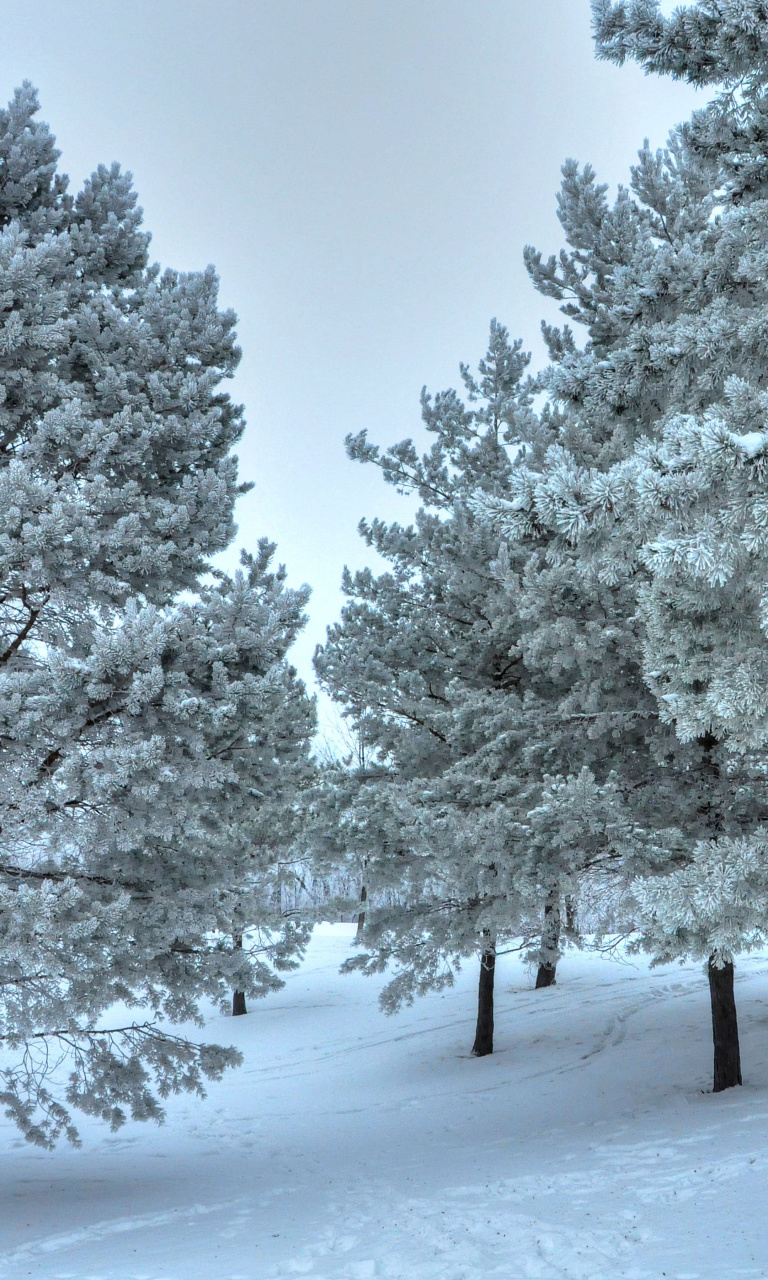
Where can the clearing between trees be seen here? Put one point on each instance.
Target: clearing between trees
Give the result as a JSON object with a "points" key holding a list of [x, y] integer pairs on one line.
{"points": [[353, 1146]]}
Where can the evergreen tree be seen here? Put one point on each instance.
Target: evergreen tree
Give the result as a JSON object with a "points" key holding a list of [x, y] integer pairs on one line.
{"points": [[501, 685], [657, 477], [150, 729], [412, 644]]}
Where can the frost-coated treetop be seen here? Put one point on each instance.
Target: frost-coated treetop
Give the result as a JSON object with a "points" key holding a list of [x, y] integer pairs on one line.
{"points": [[113, 425], [670, 387], [712, 42]]}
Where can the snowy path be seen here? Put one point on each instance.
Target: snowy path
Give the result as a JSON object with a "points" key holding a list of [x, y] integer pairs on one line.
{"points": [[357, 1147]]}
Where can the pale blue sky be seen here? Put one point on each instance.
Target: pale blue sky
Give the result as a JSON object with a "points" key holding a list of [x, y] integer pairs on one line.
{"points": [[364, 174]]}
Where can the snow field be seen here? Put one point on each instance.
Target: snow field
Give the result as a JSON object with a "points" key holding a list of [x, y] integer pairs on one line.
{"points": [[352, 1146]]}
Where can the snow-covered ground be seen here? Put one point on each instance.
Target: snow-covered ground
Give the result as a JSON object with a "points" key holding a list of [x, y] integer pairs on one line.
{"points": [[353, 1146]]}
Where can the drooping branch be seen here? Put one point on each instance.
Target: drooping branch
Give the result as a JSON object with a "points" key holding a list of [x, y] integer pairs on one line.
{"points": [[33, 613]]}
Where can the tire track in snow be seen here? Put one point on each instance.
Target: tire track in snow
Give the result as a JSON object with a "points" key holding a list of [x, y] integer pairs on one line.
{"points": [[50, 1245], [307, 1064]]}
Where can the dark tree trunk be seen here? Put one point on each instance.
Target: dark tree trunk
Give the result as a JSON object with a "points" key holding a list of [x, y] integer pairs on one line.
{"points": [[550, 940], [725, 1028], [238, 997], [571, 914], [361, 915], [484, 1032]]}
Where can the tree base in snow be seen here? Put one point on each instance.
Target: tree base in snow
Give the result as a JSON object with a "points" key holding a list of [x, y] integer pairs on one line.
{"points": [[725, 1027], [484, 1032], [546, 976]]}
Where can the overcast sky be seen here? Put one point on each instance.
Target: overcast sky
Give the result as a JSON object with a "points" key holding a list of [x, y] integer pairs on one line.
{"points": [[364, 174]]}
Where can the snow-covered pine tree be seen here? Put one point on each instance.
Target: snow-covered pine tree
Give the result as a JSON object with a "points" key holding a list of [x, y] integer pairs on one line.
{"points": [[500, 692], [657, 476], [337, 859], [412, 643], [150, 729], [697, 496]]}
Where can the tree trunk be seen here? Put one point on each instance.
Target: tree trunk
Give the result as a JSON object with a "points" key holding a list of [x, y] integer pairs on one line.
{"points": [[361, 915], [550, 939], [238, 997], [571, 914], [725, 1028], [484, 1032]]}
